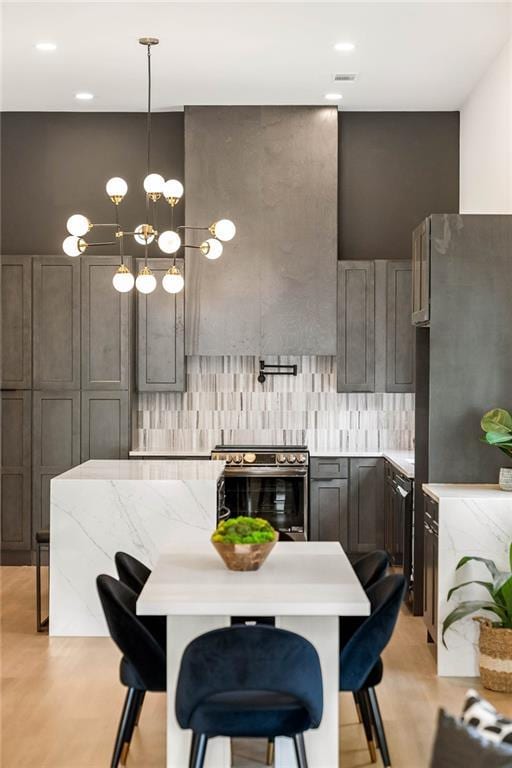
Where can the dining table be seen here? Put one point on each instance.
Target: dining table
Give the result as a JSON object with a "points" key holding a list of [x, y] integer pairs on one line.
{"points": [[306, 586]]}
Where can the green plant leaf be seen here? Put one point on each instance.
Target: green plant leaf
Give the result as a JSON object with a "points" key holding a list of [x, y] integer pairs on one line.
{"points": [[489, 586], [497, 420], [510, 556], [467, 608], [495, 438], [503, 589], [491, 566]]}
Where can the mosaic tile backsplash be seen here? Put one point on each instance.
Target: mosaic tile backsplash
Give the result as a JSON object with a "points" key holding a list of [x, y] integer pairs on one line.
{"points": [[225, 403]]}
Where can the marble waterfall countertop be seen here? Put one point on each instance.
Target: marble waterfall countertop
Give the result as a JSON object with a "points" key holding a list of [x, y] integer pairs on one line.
{"points": [[473, 520], [140, 507]]}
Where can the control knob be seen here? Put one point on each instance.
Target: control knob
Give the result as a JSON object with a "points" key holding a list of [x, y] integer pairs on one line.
{"points": [[229, 458], [292, 458], [237, 458], [301, 458], [249, 458]]}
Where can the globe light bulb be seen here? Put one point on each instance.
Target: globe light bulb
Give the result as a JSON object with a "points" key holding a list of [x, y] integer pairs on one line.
{"points": [[169, 241], [146, 281], [144, 234], [211, 248], [173, 281], [78, 225], [123, 280], [116, 189], [73, 246], [173, 191], [224, 230]]}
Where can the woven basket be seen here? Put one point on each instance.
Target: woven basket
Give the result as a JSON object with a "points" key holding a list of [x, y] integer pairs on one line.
{"points": [[495, 657]]}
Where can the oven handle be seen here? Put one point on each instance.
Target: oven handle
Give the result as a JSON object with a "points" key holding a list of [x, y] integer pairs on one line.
{"points": [[266, 471]]}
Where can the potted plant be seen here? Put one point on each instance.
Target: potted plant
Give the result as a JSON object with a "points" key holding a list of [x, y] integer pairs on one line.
{"points": [[244, 543], [497, 426], [495, 636]]}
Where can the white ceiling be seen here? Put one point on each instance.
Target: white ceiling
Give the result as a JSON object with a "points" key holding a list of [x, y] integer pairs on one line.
{"points": [[408, 55]]}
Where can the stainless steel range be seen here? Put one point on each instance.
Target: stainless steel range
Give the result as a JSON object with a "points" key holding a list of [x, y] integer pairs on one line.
{"points": [[269, 482]]}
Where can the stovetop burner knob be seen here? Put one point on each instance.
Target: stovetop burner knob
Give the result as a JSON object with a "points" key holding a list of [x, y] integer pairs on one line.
{"points": [[249, 458], [292, 458], [237, 458], [281, 458], [301, 458], [229, 458]]}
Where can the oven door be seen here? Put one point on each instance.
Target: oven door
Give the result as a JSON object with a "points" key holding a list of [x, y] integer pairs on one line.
{"points": [[277, 494]]}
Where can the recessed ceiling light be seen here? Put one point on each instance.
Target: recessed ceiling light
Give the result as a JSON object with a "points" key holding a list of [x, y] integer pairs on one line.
{"points": [[46, 46], [333, 96], [344, 47], [84, 96]]}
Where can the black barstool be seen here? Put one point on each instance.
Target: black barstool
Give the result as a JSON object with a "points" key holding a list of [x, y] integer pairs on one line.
{"points": [[42, 542]]}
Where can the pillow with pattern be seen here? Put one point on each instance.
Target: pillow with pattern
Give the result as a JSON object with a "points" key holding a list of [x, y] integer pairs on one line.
{"points": [[480, 714], [457, 745]]}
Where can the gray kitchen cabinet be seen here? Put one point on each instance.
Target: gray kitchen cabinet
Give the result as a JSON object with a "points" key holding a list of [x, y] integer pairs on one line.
{"points": [[105, 427], [105, 326], [160, 335], [356, 326], [56, 322], [421, 274], [55, 445], [329, 510], [16, 484], [400, 331], [366, 509], [16, 322]]}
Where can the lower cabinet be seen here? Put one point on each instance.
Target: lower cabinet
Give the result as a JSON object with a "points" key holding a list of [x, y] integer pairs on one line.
{"points": [[329, 510], [366, 513], [430, 574], [16, 482]]}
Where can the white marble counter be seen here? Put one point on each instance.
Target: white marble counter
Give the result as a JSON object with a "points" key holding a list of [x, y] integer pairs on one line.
{"points": [[473, 520], [140, 507], [169, 453]]}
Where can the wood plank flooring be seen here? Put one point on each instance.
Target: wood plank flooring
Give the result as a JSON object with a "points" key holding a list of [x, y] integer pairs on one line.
{"points": [[61, 698]]}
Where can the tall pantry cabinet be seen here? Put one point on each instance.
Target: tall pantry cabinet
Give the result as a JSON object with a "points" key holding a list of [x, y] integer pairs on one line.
{"points": [[66, 345]]}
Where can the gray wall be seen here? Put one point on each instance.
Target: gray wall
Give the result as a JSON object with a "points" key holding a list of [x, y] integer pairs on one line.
{"points": [[395, 169], [56, 163]]}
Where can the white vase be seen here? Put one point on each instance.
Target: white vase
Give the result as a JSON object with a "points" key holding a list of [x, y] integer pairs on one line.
{"points": [[506, 479]]}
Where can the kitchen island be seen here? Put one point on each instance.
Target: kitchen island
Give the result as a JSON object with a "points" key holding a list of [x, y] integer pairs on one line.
{"points": [[138, 507]]}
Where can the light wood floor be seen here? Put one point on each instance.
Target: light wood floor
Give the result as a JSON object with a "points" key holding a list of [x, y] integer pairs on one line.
{"points": [[61, 699]]}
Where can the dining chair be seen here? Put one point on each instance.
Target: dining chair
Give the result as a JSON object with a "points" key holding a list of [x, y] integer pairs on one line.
{"points": [[249, 682], [131, 571], [143, 665], [361, 667], [372, 567]]}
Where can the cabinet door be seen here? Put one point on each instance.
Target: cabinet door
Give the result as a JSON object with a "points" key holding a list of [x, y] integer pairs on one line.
{"points": [[105, 326], [388, 513], [16, 322], [421, 274], [56, 322], [328, 513], [160, 335], [366, 510], [105, 429], [400, 331], [55, 448], [16, 461], [356, 326]]}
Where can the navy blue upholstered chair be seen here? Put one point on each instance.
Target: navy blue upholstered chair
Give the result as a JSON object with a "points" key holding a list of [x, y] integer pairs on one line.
{"points": [[371, 568], [249, 681], [143, 666], [131, 571], [361, 667]]}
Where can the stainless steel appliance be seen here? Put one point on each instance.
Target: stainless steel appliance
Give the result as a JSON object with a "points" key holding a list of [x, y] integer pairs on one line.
{"points": [[266, 481]]}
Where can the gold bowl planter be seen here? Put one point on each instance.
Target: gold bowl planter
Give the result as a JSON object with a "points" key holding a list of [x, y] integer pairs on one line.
{"points": [[244, 557], [495, 657]]}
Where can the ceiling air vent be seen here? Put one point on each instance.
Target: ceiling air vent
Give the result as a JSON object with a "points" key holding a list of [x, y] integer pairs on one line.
{"points": [[345, 78]]}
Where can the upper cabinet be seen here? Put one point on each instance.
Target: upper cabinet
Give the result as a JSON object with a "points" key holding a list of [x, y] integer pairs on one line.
{"points": [[375, 335], [16, 318], [421, 274], [273, 171], [160, 334]]}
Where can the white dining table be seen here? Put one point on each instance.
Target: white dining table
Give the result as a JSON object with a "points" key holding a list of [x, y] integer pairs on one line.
{"points": [[305, 585]]}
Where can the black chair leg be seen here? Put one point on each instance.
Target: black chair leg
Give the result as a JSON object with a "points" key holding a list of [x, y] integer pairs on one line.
{"points": [[270, 752], [142, 695], [358, 707], [42, 624], [379, 727], [366, 718], [300, 750], [130, 724], [120, 750], [198, 750]]}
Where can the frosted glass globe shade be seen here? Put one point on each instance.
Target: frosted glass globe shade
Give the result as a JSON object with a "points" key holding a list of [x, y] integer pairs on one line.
{"points": [[173, 188], [116, 187], [214, 250], [139, 237], [224, 230], [173, 282], [169, 241], [145, 282], [154, 184], [73, 246], [78, 225], [123, 280]]}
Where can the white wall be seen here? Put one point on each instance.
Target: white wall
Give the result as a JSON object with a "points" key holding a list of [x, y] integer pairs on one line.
{"points": [[486, 141]]}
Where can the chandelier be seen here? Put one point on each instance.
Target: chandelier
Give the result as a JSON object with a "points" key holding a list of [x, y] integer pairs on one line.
{"points": [[169, 240]]}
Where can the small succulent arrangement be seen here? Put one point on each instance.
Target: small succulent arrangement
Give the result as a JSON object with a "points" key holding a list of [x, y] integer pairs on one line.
{"points": [[497, 427], [244, 530]]}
